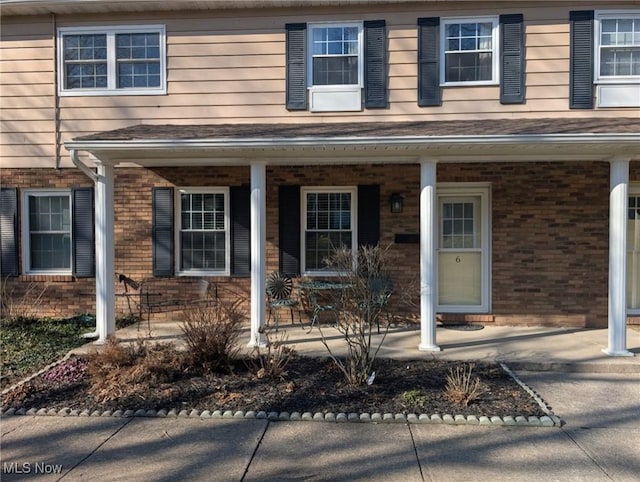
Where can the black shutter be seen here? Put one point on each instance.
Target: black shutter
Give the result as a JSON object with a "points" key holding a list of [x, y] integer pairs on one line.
{"points": [[9, 231], [83, 232], [296, 73], [512, 59], [375, 61], [581, 60], [240, 231], [289, 229], [428, 64], [162, 231], [368, 215]]}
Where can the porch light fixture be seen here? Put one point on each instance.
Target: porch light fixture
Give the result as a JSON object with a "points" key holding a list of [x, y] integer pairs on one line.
{"points": [[396, 202]]}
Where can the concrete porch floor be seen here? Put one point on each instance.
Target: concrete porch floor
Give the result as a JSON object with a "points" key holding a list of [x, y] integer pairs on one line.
{"points": [[524, 348]]}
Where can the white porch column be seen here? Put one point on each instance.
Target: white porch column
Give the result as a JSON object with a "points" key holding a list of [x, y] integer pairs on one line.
{"points": [[619, 173], [105, 277], [258, 252], [428, 275]]}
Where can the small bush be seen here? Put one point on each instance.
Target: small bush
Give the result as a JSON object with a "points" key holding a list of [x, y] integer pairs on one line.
{"points": [[461, 387], [415, 399], [211, 333], [24, 305], [271, 362], [122, 370]]}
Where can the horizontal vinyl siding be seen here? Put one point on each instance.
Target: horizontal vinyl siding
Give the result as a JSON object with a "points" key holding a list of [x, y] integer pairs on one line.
{"points": [[27, 93], [228, 68]]}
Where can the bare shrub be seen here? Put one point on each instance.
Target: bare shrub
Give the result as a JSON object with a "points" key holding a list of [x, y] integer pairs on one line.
{"points": [[211, 332], [122, 370], [461, 387], [271, 362], [23, 305], [359, 306]]}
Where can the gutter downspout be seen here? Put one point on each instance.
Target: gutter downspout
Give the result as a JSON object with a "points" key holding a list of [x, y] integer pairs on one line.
{"points": [[75, 158]]}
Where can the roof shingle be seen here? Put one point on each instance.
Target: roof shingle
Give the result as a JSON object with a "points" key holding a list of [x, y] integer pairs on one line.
{"points": [[489, 127]]}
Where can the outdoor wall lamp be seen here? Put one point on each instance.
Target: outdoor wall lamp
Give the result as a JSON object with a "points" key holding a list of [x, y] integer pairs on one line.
{"points": [[396, 202]]}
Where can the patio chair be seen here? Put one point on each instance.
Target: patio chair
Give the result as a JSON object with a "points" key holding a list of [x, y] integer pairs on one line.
{"points": [[279, 289]]}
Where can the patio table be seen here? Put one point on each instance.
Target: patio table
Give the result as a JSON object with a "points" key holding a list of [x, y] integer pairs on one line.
{"points": [[321, 297]]}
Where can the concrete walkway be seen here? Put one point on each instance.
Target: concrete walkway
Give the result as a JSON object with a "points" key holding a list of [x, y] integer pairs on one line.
{"points": [[531, 348], [598, 399]]}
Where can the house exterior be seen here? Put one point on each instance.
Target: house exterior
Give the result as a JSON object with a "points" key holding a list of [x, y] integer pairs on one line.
{"points": [[494, 147]]}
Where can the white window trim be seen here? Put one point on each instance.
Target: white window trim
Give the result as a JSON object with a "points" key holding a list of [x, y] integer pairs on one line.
{"points": [[178, 225], [482, 190], [495, 39], [360, 27], [605, 15], [26, 238], [353, 190], [111, 60], [322, 97], [634, 190]]}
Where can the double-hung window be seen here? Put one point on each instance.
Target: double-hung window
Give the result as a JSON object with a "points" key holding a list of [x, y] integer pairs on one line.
{"points": [[335, 66], [203, 231], [617, 58], [329, 223], [470, 51], [112, 60], [46, 231]]}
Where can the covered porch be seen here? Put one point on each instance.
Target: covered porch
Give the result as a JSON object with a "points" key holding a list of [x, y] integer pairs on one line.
{"points": [[425, 144]]}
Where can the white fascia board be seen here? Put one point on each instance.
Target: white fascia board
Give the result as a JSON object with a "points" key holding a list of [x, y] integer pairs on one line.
{"points": [[328, 142]]}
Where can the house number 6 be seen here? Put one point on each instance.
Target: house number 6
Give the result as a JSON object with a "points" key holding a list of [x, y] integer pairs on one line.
{"points": [[457, 259]]}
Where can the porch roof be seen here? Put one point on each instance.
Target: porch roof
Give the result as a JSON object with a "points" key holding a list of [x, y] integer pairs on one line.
{"points": [[586, 138]]}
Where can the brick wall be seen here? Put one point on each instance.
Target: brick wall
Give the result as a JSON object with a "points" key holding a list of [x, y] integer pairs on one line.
{"points": [[549, 232]]}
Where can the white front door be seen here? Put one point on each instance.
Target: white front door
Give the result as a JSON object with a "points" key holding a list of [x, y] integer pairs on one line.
{"points": [[463, 249]]}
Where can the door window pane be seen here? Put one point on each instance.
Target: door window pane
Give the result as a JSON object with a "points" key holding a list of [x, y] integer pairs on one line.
{"points": [[458, 225]]}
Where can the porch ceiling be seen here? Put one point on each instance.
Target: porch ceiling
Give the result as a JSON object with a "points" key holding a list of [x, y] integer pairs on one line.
{"points": [[580, 139]]}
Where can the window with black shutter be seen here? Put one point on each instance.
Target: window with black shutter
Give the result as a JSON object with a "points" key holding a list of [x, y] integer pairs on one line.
{"points": [[335, 66]]}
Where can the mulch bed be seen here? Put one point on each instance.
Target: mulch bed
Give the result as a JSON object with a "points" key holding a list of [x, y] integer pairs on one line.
{"points": [[309, 385]]}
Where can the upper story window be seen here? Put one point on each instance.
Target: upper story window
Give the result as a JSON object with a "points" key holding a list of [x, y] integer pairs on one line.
{"points": [[470, 51], [335, 53], [112, 60], [335, 66], [203, 231], [618, 47], [46, 231]]}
